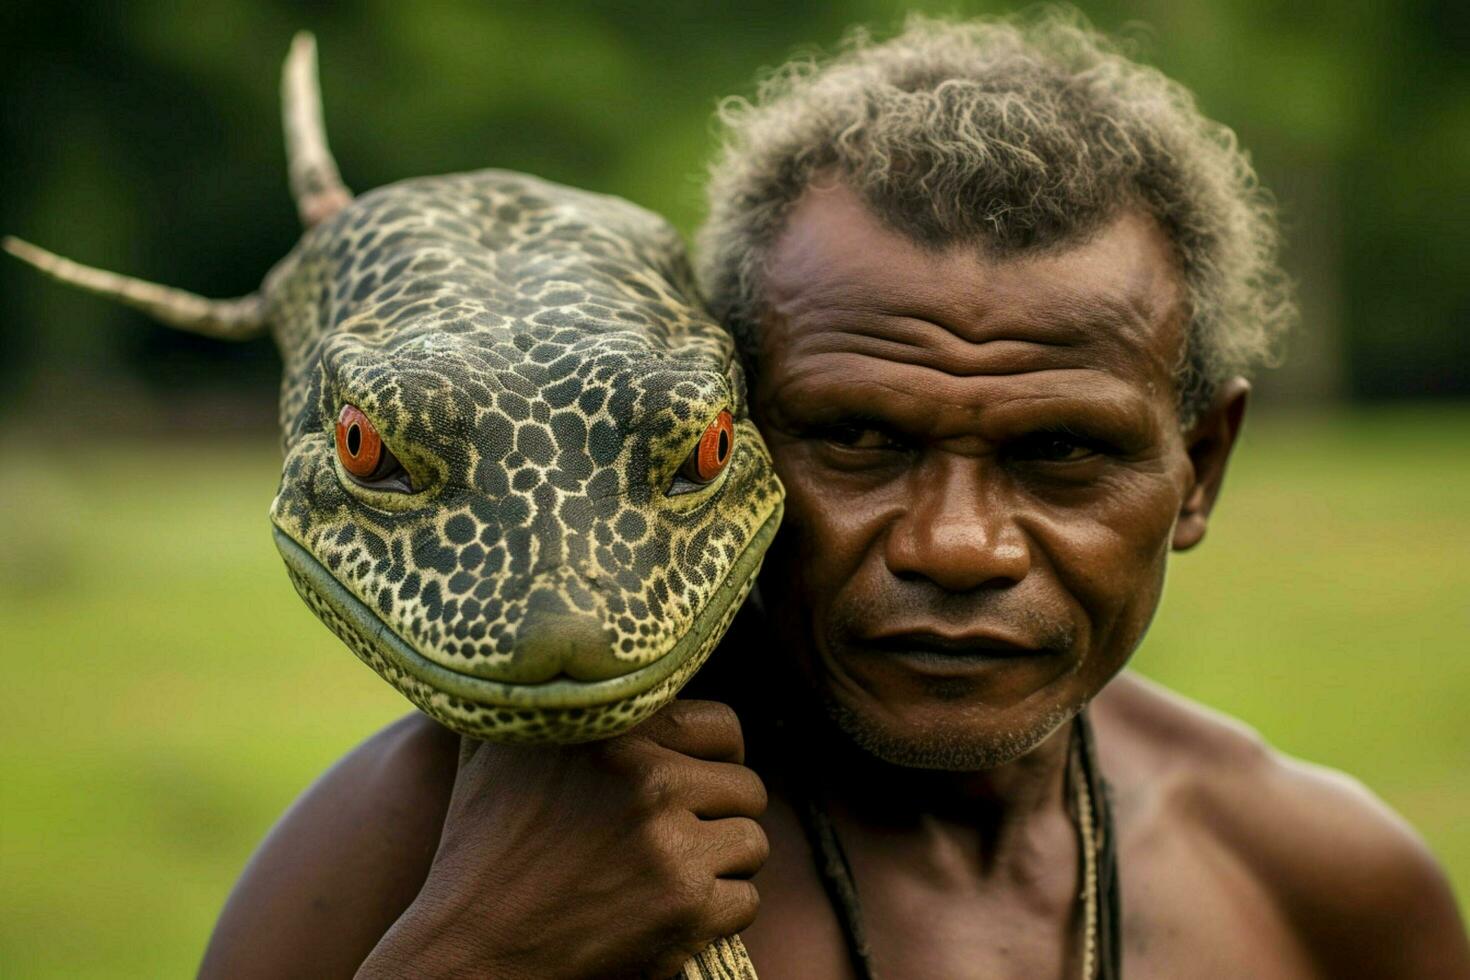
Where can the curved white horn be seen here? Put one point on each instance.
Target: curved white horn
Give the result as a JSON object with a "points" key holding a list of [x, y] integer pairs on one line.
{"points": [[316, 185], [223, 319]]}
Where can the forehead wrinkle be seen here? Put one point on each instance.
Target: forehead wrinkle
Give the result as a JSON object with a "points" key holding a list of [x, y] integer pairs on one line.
{"points": [[924, 344], [1119, 285], [847, 380]]}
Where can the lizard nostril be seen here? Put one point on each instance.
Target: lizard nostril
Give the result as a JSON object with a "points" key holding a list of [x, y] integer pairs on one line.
{"points": [[552, 641]]}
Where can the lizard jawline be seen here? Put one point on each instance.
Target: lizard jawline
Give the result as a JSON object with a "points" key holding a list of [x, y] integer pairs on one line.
{"points": [[559, 693]]}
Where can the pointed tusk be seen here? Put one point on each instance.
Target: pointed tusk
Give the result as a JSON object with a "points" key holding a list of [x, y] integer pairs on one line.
{"points": [[316, 185], [223, 319]]}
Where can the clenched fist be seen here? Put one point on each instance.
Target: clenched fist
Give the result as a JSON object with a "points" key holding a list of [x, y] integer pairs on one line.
{"points": [[606, 859]]}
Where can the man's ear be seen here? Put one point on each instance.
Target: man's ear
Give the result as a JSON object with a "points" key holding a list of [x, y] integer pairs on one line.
{"points": [[1209, 442]]}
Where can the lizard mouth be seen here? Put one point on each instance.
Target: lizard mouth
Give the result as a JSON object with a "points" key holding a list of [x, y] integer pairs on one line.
{"points": [[313, 579]]}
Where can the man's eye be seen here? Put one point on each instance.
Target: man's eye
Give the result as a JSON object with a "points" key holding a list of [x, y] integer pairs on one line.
{"points": [[1053, 447], [855, 436]]}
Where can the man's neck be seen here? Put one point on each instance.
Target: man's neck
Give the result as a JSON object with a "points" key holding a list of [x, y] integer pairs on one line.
{"points": [[996, 808]]}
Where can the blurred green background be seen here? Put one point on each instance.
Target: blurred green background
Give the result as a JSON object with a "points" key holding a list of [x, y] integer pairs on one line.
{"points": [[167, 694]]}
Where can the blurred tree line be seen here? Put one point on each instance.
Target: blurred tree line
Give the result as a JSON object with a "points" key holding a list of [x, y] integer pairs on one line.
{"points": [[144, 137]]}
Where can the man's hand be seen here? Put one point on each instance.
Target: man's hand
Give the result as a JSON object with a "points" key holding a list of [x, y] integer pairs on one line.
{"points": [[609, 859]]}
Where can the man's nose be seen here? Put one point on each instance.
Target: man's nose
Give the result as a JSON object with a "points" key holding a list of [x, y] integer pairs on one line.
{"points": [[959, 530]]}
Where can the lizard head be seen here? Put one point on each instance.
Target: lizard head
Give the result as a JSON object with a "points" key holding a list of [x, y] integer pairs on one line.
{"points": [[536, 533]]}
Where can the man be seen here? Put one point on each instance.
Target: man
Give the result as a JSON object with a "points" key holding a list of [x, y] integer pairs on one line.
{"points": [[998, 287]]}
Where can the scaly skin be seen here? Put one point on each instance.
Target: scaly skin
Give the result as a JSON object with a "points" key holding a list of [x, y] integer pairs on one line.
{"points": [[537, 359], [534, 356]]}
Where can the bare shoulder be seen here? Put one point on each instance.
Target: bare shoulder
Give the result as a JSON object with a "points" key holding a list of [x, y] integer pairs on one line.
{"points": [[343, 862], [1349, 875]]}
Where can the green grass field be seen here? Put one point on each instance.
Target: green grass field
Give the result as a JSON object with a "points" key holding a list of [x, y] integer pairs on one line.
{"points": [[166, 694]]}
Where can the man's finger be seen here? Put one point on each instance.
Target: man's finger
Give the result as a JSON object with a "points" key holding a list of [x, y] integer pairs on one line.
{"points": [[737, 846], [733, 908], [725, 789], [702, 729]]}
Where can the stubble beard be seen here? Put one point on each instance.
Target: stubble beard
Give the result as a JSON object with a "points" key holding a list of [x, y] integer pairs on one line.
{"points": [[945, 751]]}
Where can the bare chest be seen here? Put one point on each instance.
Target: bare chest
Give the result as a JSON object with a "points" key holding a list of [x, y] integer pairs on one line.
{"points": [[1189, 909], [1192, 908]]}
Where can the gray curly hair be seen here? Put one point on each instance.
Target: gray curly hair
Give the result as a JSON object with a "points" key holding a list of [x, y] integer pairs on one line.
{"points": [[1018, 133]]}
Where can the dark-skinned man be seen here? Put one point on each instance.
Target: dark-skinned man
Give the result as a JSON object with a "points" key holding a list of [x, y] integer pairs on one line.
{"points": [[998, 288]]}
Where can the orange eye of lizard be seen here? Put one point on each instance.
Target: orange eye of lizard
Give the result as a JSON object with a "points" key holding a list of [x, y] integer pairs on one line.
{"points": [[359, 446], [713, 452]]}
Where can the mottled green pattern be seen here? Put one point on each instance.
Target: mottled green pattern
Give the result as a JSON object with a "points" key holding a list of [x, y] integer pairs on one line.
{"points": [[535, 357]]}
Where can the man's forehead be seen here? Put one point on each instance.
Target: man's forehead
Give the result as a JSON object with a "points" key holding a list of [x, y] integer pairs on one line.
{"points": [[1118, 292]]}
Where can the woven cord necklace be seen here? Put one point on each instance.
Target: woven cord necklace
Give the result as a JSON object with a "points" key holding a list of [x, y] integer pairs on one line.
{"points": [[1101, 951]]}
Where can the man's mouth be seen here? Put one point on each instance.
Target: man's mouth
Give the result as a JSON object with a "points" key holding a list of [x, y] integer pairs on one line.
{"points": [[951, 654], [977, 644]]}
